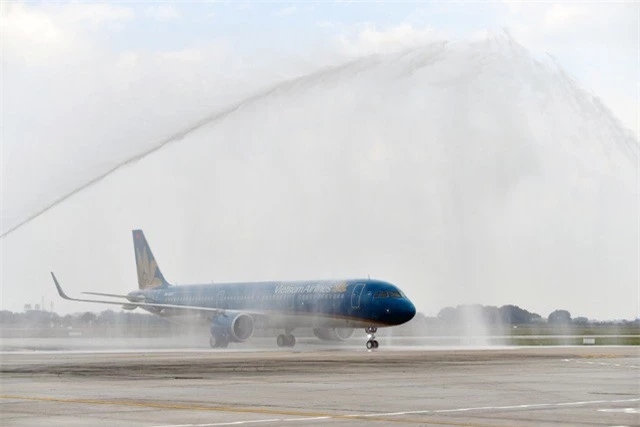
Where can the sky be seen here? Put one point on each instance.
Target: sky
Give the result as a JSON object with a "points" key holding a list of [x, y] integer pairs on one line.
{"points": [[88, 68], [86, 85]]}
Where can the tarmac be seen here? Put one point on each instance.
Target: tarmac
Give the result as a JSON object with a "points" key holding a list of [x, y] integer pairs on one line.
{"points": [[314, 385]]}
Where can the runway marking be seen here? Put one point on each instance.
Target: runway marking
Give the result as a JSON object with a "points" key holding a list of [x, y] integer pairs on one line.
{"points": [[314, 416], [384, 416], [617, 365], [351, 417], [166, 406], [493, 408], [599, 355], [306, 416], [622, 410], [231, 423]]}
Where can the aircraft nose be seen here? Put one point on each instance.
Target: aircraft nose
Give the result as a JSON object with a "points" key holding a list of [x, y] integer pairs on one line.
{"points": [[401, 312], [408, 311]]}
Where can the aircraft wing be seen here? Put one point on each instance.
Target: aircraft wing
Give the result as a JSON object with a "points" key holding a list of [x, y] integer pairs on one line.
{"points": [[134, 304], [100, 294]]}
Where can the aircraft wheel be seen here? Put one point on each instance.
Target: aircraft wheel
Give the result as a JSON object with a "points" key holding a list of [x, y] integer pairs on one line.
{"points": [[291, 340], [218, 342], [375, 343], [370, 345], [281, 340]]}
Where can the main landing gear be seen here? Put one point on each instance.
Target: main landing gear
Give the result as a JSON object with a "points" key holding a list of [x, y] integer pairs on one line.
{"points": [[372, 343], [218, 342], [286, 340]]}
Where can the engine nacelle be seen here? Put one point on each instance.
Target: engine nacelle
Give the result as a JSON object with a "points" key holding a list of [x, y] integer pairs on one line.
{"points": [[234, 328], [333, 334]]}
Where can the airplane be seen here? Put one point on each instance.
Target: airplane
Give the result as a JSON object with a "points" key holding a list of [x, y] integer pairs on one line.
{"points": [[332, 308]]}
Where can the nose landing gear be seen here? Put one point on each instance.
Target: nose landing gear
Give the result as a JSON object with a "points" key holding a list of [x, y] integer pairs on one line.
{"points": [[372, 343], [286, 340]]}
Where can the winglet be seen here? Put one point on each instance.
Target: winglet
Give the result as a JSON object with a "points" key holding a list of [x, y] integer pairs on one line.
{"points": [[60, 291]]}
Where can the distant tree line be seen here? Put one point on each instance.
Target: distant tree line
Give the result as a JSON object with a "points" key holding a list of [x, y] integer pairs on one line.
{"points": [[489, 315], [459, 315], [87, 318], [512, 315]]}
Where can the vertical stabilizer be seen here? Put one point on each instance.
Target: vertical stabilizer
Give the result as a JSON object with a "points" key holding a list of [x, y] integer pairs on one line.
{"points": [[149, 275]]}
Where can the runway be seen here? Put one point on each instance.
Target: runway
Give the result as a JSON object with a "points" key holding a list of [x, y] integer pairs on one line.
{"points": [[597, 386]]}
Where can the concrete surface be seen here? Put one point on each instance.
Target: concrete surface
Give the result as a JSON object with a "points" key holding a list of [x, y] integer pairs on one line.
{"points": [[582, 386]]}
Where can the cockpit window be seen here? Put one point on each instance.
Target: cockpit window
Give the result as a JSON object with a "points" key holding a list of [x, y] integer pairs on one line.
{"points": [[395, 294], [381, 294]]}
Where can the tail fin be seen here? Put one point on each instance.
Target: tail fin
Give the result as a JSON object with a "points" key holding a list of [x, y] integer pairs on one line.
{"points": [[149, 275]]}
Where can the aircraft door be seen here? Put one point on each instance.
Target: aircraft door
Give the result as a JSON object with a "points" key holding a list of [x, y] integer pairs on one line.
{"points": [[356, 294]]}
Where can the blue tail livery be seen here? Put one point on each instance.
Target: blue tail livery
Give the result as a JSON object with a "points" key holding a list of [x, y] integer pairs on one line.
{"points": [[333, 308]]}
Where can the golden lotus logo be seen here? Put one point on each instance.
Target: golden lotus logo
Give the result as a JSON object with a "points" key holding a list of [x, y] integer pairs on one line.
{"points": [[342, 287], [146, 270]]}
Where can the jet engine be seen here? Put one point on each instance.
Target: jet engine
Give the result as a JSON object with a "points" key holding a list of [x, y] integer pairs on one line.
{"points": [[232, 328], [333, 334]]}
